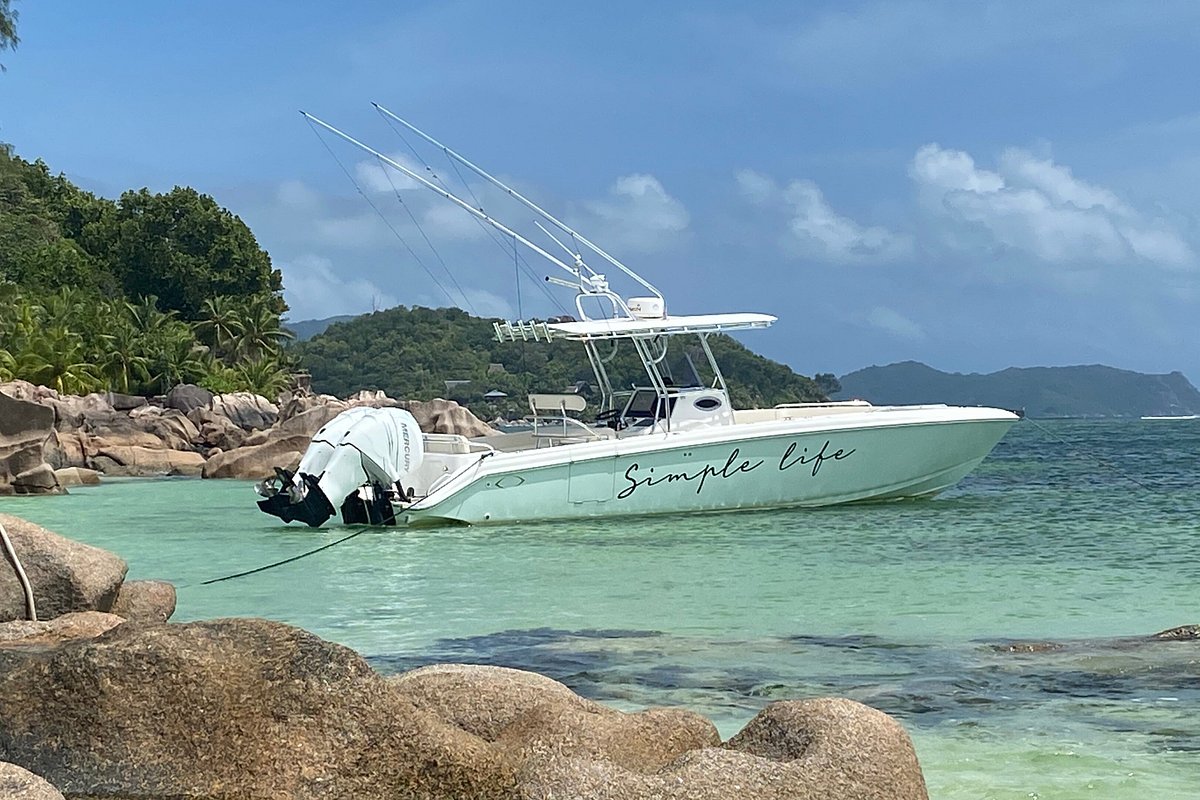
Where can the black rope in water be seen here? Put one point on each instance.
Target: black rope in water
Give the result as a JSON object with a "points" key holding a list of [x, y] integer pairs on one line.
{"points": [[1094, 457], [286, 560]]}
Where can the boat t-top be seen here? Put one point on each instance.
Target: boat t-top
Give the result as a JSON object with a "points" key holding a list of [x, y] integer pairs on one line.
{"points": [[670, 444]]}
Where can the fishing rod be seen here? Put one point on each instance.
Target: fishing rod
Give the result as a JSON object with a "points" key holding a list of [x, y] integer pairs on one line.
{"points": [[592, 284], [527, 202]]}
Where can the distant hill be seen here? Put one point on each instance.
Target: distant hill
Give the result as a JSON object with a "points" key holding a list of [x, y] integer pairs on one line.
{"points": [[419, 353], [305, 329], [1083, 391]]}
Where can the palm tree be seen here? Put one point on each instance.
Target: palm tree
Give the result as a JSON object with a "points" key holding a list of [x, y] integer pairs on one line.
{"points": [[56, 358], [222, 323], [180, 359], [8, 365], [124, 357], [265, 376], [261, 333]]}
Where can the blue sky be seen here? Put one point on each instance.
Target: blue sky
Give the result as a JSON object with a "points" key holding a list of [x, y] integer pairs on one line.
{"points": [[972, 185]]}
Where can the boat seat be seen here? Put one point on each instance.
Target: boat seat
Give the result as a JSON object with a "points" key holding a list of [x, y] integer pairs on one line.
{"points": [[561, 403], [561, 428]]}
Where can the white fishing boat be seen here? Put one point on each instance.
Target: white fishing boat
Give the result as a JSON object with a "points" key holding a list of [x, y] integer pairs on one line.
{"points": [[672, 444]]}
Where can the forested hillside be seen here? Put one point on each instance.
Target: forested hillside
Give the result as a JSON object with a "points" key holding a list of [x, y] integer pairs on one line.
{"points": [[412, 353], [132, 295], [1083, 391]]}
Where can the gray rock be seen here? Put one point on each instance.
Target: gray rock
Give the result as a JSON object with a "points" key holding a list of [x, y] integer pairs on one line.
{"points": [[136, 461], [187, 396], [230, 708], [70, 627], [793, 750], [25, 429], [66, 576], [124, 402], [145, 601], [21, 784], [246, 410], [447, 416], [259, 461], [77, 476]]}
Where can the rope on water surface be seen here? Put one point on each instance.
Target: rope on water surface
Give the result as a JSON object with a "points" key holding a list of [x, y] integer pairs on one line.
{"points": [[285, 561], [11, 552], [1094, 457]]}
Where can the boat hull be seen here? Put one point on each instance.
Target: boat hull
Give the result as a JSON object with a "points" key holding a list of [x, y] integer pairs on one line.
{"points": [[804, 463]]}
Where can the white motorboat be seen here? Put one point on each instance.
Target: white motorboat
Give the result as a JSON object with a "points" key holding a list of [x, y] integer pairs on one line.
{"points": [[668, 445]]}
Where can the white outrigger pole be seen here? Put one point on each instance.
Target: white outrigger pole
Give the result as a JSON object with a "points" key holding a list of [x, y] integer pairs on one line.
{"points": [[562, 226], [587, 282]]}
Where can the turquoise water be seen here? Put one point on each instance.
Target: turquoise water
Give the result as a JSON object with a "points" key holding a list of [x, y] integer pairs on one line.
{"points": [[1070, 530]]}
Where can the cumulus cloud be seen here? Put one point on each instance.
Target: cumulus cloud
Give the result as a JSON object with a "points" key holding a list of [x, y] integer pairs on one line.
{"points": [[314, 291], [816, 230], [1035, 206], [638, 215]]}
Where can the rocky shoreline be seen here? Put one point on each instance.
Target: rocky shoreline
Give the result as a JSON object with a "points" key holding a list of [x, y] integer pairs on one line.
{"points": [[50, 441], [107, 698]]}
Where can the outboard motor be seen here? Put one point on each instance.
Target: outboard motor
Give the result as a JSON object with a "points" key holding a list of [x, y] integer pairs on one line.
{"points": [[349, 464]]}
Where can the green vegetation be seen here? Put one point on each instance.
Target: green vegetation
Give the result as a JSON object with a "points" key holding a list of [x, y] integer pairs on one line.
{"points": [[135, 295], [1082, 391], [413, 353], [8, 28]]}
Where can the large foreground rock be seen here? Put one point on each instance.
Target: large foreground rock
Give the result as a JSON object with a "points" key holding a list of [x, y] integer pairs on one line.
{"points": [[21, 784], [251, 708], [25, 429], [65, 575], [230, 708]]}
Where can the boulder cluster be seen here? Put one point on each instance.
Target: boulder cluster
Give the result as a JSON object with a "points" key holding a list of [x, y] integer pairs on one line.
{"points": [[109, 699], [49, 441]]}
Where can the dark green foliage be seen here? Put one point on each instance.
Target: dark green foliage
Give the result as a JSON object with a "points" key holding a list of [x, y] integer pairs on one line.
{"points": [[8, 27], [413, 353], [133, 296], [183, 248], [1082, 391]]}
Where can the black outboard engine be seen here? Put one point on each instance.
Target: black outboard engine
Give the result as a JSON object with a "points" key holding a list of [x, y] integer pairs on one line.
{"points": [[311, 506], [349, 462]]}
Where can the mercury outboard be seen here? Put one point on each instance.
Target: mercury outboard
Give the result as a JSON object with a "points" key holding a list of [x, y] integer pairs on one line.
{"points": [[352, 463]]}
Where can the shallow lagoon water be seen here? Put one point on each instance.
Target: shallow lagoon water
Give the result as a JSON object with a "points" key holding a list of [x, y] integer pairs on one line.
{"points": [[1078, 531]]}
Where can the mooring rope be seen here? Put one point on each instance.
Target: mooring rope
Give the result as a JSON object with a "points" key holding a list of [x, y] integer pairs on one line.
{"points": [[1098, 459], [284, 561], [11, 552]]}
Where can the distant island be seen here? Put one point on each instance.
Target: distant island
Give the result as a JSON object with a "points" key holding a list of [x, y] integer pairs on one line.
{"points": [[1080, 391]]}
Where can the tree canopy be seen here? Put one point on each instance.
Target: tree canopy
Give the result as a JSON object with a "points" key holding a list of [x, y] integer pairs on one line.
{"points": [[8, 27], [421, 353], [133, 295]]}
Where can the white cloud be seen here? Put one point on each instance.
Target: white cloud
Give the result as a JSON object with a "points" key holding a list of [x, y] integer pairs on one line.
{"points": [[637, 215], [313, 291], [817, 231], [298, 196], [894, 323], [377, 176], [1038, 207]]}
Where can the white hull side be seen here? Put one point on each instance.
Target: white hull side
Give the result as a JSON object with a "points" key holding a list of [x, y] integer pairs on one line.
{"points": [[872, 456]]}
